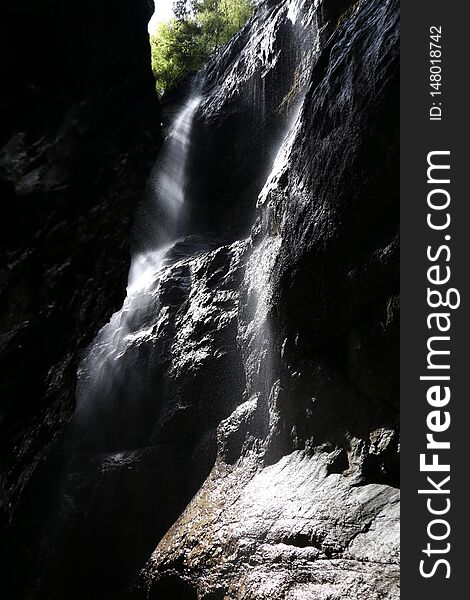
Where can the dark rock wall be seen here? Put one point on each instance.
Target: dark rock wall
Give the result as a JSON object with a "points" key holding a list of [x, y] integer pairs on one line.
{"points": [[335, 281], [80, 129]]}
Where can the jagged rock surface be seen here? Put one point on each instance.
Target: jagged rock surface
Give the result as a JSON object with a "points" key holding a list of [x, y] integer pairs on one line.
{"points": [[131, 469]]}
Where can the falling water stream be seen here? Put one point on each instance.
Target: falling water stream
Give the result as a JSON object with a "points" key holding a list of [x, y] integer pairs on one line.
{"points": [[112, 374], [76, 520], [104, 366]]}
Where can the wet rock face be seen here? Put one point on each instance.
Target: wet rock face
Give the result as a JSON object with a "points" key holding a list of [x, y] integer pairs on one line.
{"points": [[334, 206], [302, 501], [251, 92], [79, 132], [290, 530]]}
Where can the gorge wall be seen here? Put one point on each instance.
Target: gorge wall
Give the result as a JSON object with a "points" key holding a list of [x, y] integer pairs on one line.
{"points": [[246, 444], [80, 128]]}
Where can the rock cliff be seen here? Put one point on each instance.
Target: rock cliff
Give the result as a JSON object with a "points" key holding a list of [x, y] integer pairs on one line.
{"points": [[302, 500], [242, 443]]}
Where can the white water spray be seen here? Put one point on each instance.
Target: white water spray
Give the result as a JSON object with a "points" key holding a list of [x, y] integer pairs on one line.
{"points": [[135, 321]]}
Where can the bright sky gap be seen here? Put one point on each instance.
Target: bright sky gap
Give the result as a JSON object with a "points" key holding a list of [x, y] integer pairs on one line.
{"points": [[163, 13]]}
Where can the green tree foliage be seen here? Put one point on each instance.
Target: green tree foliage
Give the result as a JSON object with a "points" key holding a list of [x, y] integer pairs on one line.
{"points": [[185, 43]]}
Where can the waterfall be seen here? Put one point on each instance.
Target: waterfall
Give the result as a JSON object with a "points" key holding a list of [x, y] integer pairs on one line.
{"points": [[105, 365], [168, 183], [262, 351]]}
